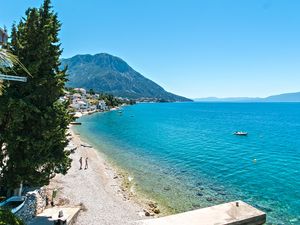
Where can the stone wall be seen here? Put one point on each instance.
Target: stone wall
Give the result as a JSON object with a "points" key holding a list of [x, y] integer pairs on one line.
{"points": [[35, 203]]}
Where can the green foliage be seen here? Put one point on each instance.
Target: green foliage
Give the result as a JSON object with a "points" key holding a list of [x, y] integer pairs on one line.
{"points": [[71, 90], [91, 91], [33, 122], [110, 100], [7, 218], [131, 102]]}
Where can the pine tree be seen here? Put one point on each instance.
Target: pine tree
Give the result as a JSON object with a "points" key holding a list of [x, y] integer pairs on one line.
{"points": [[33, 121]]}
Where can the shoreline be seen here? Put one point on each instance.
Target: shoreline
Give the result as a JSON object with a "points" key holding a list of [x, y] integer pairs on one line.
{"points": [[151, 207], [208, 186], [97, 190], [103, 191]]}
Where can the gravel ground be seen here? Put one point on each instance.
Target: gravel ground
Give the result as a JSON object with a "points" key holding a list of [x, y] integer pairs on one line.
{"points": [[97, 189]]}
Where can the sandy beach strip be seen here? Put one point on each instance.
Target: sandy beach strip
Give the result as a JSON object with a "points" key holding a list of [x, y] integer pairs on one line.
{"points": [[98, 189]]}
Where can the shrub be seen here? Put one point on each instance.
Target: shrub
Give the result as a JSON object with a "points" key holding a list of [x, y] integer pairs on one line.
{"points": [[8, 218]]}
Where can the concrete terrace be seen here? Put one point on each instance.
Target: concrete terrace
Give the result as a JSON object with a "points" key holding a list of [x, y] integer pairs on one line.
{"points": [[46, 217], [233, 213]]}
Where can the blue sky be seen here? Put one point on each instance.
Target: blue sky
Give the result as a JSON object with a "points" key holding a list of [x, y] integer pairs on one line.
{"points": [[190, 47]]}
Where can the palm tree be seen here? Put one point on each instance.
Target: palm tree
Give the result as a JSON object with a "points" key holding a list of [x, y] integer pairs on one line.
{"points": [[7, 61]]}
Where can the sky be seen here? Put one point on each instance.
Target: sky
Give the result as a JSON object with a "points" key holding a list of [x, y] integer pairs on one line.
{"points": [[194, 48]]}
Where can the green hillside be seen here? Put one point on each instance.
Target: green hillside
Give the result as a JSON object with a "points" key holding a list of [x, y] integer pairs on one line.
{"points": [[110, 74]]}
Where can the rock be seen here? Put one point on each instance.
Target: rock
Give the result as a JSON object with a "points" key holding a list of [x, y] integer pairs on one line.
{"points": [[35, 203], [217, 189], [195, 206], [200, 188], [209, 199], [147, 213], [156, 211], [152, 205], [263, 208]]}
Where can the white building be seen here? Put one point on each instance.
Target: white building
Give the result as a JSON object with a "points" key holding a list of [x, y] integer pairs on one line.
{"points": [[102, 105], [82, 90], [93, 107], [79, 104], [3, 36], [76, 96]]}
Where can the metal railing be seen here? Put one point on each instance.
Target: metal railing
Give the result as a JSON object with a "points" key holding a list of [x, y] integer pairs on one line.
{"points": [[14, 78]]}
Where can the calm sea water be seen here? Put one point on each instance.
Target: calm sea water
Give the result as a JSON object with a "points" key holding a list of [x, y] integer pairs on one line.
{"points": [[185, 156]]}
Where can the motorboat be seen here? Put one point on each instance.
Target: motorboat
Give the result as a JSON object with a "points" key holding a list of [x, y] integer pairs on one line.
{"points": [[75, 123], [240, 133], [14, 203]]}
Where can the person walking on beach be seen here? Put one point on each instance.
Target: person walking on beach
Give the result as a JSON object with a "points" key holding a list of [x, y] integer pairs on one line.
{"points": [[80, 162], [86, 163]]}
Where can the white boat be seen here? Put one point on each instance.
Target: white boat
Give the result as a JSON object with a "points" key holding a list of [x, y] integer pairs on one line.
{"points": [[115, 108], [241, 133], [14, 203]]}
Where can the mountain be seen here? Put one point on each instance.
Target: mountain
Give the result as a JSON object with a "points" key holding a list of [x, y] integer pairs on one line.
{"points": [[287, 97], [110, 74]]}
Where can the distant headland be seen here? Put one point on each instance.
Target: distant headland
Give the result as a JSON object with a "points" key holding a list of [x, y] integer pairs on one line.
{"points": [[287, 97]]}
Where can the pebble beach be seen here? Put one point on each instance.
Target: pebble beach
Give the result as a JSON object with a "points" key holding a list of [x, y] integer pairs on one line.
{"points": [[98, 189]]}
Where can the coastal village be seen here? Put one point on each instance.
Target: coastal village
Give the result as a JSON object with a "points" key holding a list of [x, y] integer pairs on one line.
{"points": [[84, 102], [81, 101]]}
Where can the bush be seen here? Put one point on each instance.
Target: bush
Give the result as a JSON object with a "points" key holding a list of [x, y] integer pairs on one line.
{"points": [[8, 218]]}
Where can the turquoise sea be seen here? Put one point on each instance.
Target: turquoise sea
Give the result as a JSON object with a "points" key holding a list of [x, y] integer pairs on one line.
{"points": [[185, 156]]}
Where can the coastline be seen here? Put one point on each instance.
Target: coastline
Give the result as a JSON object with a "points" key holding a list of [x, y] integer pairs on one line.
{"points": [[150, 205], [201, 189], [103, 192]]}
